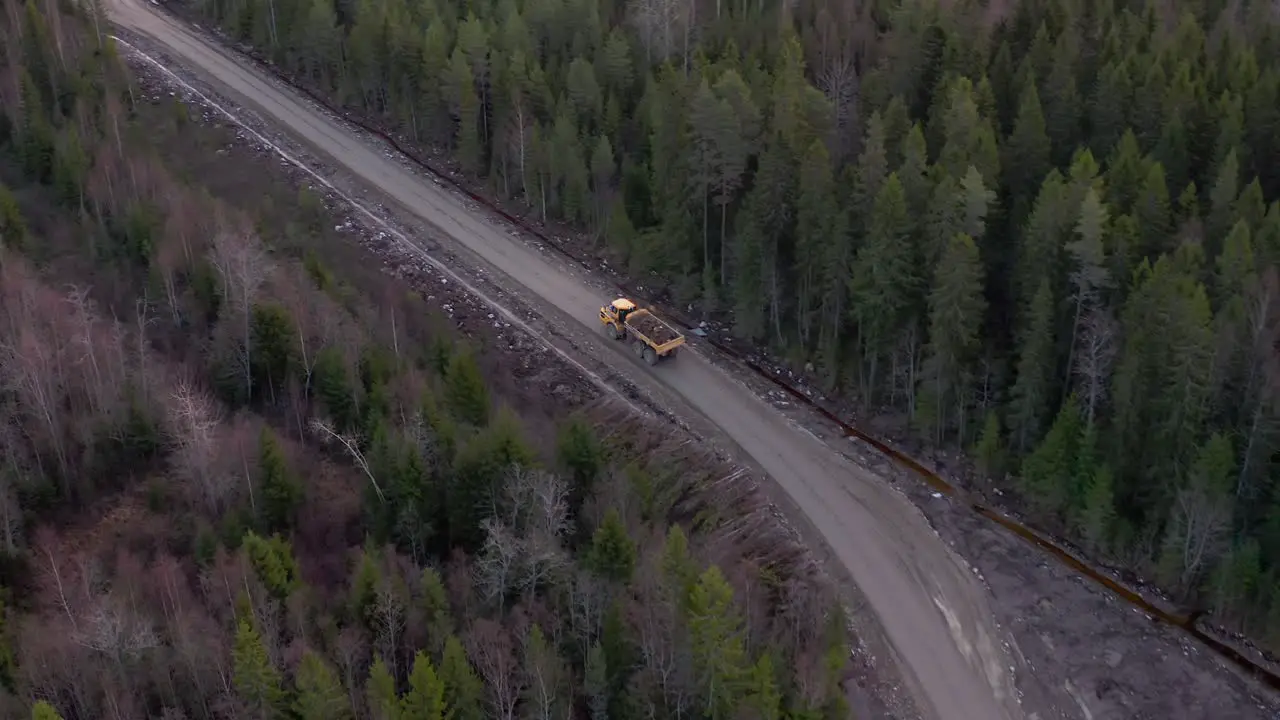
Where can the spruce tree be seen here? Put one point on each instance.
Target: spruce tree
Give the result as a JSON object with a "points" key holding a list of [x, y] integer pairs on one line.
{"points": [[717, 645], [956, 309], [1047, 473], [463, 689], [1027, 151], [884, 277], [465, 390], [425, 699], [320, 695], [281, 491], [1032, 392], [257, 682], [613, 553], [380, 693]]}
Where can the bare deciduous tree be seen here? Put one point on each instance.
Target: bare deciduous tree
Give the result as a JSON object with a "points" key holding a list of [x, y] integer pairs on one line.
{"points": [[665, 656], [193, 427], [498, 563], [493, 654], [351, 651], [544, 677], [389, 615], [1097, 350], [242, 264], [1199, 531], [352, 447], [661, 24]]}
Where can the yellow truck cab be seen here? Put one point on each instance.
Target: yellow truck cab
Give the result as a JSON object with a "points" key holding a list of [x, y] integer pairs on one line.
{"points": [[652, 339]]}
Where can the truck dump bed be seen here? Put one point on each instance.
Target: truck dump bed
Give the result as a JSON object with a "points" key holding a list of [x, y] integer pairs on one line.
{"points": [[650, 326]]}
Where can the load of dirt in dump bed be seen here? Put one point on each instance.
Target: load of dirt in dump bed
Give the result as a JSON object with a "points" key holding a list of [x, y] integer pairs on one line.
{"points": [[653, 328]]}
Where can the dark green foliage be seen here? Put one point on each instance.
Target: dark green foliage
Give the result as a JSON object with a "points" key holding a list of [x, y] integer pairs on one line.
{"points": [[282, 492], [479, 472], [257, 681], [274, 343], [13, 228], [331, 380], [272, 560], [613, 554], [320, 695], [463, 689], [465, 390], [1048, 472], [579, 453]]}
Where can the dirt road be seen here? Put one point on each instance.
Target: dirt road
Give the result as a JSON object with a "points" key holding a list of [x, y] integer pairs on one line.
{"points": [[934, 613]]}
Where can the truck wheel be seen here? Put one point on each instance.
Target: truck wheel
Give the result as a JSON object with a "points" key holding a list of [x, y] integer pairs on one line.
{"points": [[638, 348], [650, 356]]}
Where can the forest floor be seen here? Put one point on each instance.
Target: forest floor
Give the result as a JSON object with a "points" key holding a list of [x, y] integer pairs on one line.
{"points": [[236, 167], [1091, 655]]}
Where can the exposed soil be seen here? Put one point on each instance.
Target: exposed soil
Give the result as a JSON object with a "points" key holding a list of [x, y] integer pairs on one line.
{"points": [[1093, 656], [652, 327], [239, 168]]}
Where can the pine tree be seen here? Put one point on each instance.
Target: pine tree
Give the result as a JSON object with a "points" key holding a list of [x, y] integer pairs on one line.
{"points": [[913, 173], [956, 309], [1047, 472], [426, 697], [613, 553], [679, 570], [331, 379], [13, 228], [257, 681], [815, 209], [320, 694], [717, 645], [1152, 209], [884, 279], [1097, 515], [1126, 173], [434, 603], [380, 693], [579, 452], [967, 136], [1161, 381], [281, 491], [1039, 256], [463, 690], [763, 696], [872, 168], [1235, 581], [1110, 106], [273, 562], [988, 452], [596, 683], [1026, 151], [1032, 392], [44, 711], [465, 389], [1222, 198]]}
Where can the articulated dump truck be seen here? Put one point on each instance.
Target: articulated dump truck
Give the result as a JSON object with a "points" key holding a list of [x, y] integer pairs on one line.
{"points": [[651, 337]]}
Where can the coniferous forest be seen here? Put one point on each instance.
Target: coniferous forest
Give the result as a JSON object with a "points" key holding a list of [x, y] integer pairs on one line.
{"points": [[227, 490], [1044, 231]]}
